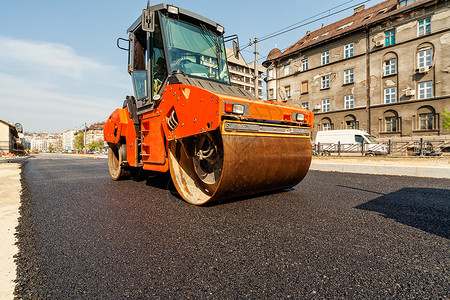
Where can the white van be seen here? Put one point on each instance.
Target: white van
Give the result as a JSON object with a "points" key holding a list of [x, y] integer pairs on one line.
{"points": [[350, 140]]}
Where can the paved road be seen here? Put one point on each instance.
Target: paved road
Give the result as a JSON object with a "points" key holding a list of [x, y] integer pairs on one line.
{"points": [[83, 236]]}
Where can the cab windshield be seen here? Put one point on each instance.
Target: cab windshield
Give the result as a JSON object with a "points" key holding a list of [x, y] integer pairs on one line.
{"points": [[195, 50], [371, 138]]}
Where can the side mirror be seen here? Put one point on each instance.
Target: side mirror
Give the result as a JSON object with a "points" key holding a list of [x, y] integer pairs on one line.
{"points": [[148, 20], [236, 49]]}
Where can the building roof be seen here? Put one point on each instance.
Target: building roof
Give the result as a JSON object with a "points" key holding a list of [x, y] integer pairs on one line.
{"points": [[362, 17], [12, 128], [232, 59]]}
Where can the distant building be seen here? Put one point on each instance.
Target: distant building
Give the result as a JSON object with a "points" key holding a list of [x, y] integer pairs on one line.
{"points": [[44, 142], [385, 69], [67, 140], [94, 133], [242, 74], [9, 138]]}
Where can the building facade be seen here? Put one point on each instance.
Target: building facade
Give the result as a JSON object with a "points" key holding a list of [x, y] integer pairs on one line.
{"points": [[67, 140], [385, 69], [94, 133], [9, 138], [242, 74]]}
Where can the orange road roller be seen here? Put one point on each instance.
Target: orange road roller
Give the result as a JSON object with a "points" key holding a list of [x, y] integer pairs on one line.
{"points": [[217, 140]]}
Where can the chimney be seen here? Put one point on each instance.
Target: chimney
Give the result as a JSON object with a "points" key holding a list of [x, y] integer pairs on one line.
{"points": [[308, 32], [359, 9]]}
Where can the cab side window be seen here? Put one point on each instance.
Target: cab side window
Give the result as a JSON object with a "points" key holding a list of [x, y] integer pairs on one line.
{"points": [[159, 67]]}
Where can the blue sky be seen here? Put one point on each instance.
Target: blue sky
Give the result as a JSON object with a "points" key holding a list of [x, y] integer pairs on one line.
{"points": [[60, 67]]}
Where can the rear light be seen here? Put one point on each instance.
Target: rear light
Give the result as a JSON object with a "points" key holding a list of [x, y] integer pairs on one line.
{"points": [[229, 107]]}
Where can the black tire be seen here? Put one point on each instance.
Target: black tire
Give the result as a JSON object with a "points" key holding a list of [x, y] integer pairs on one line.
{"points": [[116, 156]]}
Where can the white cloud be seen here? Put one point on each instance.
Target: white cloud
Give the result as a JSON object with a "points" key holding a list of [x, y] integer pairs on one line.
{"points": [[49, 87], [49, 57]]}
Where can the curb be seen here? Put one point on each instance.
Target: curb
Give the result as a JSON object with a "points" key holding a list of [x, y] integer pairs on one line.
{"points": [[413, 171], [14, 159]]}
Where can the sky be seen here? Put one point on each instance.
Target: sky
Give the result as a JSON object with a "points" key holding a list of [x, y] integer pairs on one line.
{"points": [[60, 67]]}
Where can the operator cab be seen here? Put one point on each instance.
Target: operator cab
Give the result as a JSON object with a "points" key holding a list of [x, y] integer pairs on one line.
{"points": [[168, 42]]}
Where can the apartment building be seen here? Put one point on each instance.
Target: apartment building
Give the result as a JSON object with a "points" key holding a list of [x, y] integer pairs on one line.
{"points": [[94, 133], [67, 140], [384, 69], [242, 74]]}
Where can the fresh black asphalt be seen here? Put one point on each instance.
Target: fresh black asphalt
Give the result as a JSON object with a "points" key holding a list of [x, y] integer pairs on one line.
{"points": [[335, 235]]}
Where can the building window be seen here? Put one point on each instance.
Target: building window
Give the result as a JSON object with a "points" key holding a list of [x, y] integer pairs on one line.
{"points": [[348, 50], [427, 118], [350, 122], [287, 70], [304, 87], [348, 76], [390, 67], [391, 121], [305, 64], [305, 105], [426, 121], [390, 95], [349, 101], [424, 58], [325, 57], [326, 126], [270, 74], [425, 90], [406, 2], [325, 82], [391, 124], [326, 105], [389, 38], [287, 89], [424, 27], [271, 94]]}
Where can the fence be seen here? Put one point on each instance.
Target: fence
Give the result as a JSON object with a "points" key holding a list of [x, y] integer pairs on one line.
{"points": [[413, 148]]}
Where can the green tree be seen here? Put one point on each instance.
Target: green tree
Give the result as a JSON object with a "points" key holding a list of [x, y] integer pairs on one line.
{"points": [[51, 148], [79, 141], [98, 144], [446, 119]]}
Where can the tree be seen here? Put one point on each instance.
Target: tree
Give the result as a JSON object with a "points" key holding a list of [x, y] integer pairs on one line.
{"points": [[446, 119], [79, 141], [51, 148], [98, 144]]}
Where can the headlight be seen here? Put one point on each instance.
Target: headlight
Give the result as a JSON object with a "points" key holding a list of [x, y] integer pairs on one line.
{"points": [[238, 109], [172, 9], [300, 117]]}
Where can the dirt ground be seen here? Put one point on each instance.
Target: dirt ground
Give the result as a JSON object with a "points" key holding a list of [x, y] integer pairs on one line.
{"points": [[390, 161], [10, 189]]}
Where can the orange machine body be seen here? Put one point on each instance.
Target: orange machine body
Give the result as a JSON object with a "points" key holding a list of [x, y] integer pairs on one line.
{"points": [[184, 111]]}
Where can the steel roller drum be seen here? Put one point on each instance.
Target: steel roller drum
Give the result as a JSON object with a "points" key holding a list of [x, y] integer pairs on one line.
{"points": [[249, 164]]}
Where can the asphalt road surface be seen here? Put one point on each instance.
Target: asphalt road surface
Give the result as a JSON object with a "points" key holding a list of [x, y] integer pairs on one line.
{"points": [[335, 235]]}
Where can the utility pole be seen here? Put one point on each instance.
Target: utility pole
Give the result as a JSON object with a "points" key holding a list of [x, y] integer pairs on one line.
{"points": [[85, 127], [256, 77]]}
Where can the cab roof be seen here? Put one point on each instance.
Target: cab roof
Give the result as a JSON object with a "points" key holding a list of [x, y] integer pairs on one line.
{"points": [[181, 11]]}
